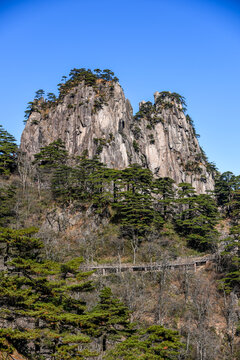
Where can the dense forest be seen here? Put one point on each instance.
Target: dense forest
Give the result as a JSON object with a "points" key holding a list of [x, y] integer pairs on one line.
{"points": [[53, 308]]}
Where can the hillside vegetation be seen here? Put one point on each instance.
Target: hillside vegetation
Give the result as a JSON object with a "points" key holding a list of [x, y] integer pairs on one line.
{"points": [[61, 213]]}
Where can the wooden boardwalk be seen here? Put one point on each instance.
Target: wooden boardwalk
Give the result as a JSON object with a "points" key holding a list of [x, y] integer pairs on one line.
{"points": [[190, 263]]}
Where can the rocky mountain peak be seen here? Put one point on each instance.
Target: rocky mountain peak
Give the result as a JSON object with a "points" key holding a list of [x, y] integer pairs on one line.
{"points": [[95, 117], [167, 141]]}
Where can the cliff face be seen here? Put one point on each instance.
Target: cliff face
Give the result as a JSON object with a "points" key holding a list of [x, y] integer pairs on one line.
{"points": [[87, 119], [168, 143], [99, 119]]}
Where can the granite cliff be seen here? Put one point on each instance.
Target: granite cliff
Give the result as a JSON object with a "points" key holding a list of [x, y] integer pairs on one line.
{"points": [[99, 119]]}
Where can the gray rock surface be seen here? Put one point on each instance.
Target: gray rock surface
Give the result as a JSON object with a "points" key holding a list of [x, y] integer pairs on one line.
{"points": [[100, 120]]}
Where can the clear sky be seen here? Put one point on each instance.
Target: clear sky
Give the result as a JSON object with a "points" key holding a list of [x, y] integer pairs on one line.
{"points": [[188, 46]]}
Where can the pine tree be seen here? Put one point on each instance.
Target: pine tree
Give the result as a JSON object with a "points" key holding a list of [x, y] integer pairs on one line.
{"points": [[39, 94], [134, 206], [43, 292], [135, 178], [163, 187], [52, 155], [136, 215], [227, 187], [110, 319], [197, 218], [65, 185], [231, 254], [154, 343], [50, 158], [8, 152]]}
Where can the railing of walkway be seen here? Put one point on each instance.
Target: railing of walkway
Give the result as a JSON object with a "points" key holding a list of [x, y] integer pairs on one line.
{"points": [[187, 262]]}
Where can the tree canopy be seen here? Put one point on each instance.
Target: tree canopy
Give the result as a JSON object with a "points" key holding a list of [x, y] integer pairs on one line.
{"points": [[8, 152]]}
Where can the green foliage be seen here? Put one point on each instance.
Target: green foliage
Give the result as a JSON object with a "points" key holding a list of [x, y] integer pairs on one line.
{"points": [[39, 94], [76, 76], [136, 132], [191, 122], [51, 155], [110, 319], [135, 213], [156, 342], [47, 296], [20, 243], [32, 106], [8, 152], [136, 146], [51, 97], [87, 181], [65, 184], [197, 218], [145, 111], [141, 204], [224, 187], [7, 202], [212, 168], [193, 167], [134, 206], [161, 99], [149, 111], [227, 190], [231, 256], [38, 290], [164, 187], [100, 143], [51, 159], [89, 77]]}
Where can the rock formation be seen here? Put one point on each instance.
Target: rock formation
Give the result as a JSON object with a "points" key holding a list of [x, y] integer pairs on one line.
{"points": [[99, 119]]}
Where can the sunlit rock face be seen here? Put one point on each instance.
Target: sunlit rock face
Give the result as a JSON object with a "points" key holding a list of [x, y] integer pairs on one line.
{"points": [[99, 120], [168, 142]]}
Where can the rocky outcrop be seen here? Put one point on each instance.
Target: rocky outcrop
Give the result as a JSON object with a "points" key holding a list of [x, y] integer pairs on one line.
{"points": [[99, 119], [94, 120], [168, 145]]}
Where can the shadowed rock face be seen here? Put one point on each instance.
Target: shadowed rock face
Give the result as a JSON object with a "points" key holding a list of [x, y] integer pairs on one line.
{"points": [[100, 120]]}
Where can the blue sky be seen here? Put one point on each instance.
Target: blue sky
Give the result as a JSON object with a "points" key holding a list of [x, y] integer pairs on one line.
{"points": [[188, 46]]}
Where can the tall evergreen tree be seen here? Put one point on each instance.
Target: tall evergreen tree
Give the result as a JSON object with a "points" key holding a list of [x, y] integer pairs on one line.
{"points": [[231, 255], [8, 152], [227, 186], [110, 319], [163, 188], [197, 218], [50, 158], [136, 215], [137, 179]]}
